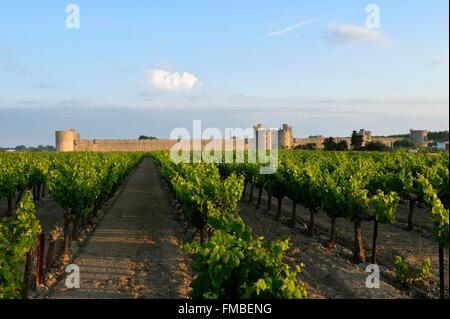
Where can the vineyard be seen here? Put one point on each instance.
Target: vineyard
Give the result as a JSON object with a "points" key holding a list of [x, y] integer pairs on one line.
{"points": [[79, 184], [243, 234]]}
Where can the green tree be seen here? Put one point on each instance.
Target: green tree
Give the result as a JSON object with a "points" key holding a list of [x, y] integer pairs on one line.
{"points": [[357, 141], [376, 146], [441, 136], [404, 143], [341, 146], [143, 137], [329, 144], [20, 148], [308, 146]]}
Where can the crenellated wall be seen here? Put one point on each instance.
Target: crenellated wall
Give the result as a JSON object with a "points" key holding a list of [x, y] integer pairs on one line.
{"points": [[388, 141], [123, 145], [70, 141]]}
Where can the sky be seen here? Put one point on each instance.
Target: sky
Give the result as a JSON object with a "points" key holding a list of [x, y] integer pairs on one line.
{"points": [[146, 67]]}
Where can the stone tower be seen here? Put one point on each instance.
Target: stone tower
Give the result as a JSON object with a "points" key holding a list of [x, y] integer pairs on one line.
{"points": [[259, 130], [66, 140], [285, 137], [419, 138], [366, 135]]}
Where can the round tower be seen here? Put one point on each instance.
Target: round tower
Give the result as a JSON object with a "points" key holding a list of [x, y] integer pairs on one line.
{"points": [[65, 140], [419, 138]]}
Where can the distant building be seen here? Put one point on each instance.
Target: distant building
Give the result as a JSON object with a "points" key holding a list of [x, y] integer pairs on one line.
{"points": [[443, 146], [285, 137], [261, 130], [66, 140], [419, 138], [70, 141], [367, 136], [316, 137]]}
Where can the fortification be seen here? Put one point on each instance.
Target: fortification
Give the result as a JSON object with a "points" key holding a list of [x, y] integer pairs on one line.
{"points": [[70, 141], [285, 137], [318, 140], [366, 136], [65, 140], [419, 138], [258, 130]]}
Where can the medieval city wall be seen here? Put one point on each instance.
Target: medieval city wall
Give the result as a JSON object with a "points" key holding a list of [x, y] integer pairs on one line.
{"points": [[123, 145], [143, 145], [388, 141], [70, 141]]}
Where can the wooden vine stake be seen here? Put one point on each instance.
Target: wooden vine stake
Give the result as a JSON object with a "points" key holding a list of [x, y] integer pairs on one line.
{"points": [[40, 260]]}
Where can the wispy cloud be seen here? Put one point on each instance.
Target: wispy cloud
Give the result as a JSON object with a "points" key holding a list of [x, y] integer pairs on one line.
{"points": [[43, 86], [438, 62], [288, 29], [15, 68], [8, 63], [349, 33], [4, 51]]}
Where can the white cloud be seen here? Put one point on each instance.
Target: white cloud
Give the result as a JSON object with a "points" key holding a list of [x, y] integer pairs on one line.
{"points": [[165, 80], [288, 29], [349, 33]]}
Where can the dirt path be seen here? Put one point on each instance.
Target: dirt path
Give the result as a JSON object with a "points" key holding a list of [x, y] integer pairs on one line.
{"points": [[134, 251]]}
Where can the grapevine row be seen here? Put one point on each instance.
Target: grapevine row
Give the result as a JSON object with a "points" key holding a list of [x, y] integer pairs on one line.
{"points": [[359, 187], [229, 261], [79, 182]]}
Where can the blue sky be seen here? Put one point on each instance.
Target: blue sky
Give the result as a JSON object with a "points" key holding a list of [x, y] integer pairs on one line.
{"points": [[148, 67]]}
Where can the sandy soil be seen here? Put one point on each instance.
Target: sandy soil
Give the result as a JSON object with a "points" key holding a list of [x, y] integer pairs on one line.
{"points": [[134, 252], [332, 273]]}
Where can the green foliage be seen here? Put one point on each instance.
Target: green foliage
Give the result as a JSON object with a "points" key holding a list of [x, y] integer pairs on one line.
{"points": [[240, 267], [408, 276], [330, 144], [231, 263], [356, 140], [144, 137], [17, 236], [308, 146], [441, 136], [376, 146], [341, 146], [439, 215], [302, 182], [79, 180], [384, 206], [403, 143]]}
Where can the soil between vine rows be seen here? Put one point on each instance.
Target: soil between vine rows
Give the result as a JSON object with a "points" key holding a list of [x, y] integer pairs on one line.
{"points": [[333, 273], [134, 252]]}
